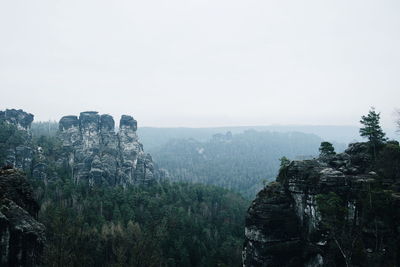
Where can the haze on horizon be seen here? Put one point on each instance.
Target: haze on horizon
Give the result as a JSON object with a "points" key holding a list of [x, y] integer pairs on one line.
{"points": [[198, 63]]}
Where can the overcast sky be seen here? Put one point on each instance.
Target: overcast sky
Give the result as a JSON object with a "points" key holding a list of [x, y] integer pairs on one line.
{"points": [[202, 63]]}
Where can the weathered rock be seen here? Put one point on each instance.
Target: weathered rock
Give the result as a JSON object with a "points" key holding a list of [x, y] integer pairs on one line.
{"points": [[92, 150], [283, 222], [96, 153], [20, 154], [21, 235], [19, 118], [272, 230], [128, 122]]}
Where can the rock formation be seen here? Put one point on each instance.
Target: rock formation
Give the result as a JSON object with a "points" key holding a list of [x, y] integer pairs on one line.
{"points": [[21, 235], [96, 153], [284, 225], [19, 118], [93, 151], [20, 154]]}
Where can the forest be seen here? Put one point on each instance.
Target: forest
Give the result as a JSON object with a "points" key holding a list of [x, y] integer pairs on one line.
{"points": [[195, 216], [241, 162], [163, 224]]}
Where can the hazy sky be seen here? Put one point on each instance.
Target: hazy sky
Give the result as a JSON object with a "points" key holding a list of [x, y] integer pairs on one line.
{"points": [[202, 63]]}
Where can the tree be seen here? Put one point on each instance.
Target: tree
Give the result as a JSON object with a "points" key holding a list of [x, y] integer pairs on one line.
{"points": [[372, 130], [284, 162], [388, 161], [10, 138], [326, 149], [334, 220]]}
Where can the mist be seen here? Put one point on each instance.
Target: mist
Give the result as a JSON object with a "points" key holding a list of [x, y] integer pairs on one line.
{"points": [[202, 63]]}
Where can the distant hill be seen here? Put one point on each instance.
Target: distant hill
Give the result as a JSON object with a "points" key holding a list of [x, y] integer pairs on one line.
{"points": [[240, 162], [153, 137]]}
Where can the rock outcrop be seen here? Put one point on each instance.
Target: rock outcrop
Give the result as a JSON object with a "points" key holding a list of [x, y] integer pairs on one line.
{"points": [[284, 225], [96, 153], [19, 118], [92, 149], [22, 237], [20, 153]]}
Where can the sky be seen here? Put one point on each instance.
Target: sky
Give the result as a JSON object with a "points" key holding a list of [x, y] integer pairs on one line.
{"points": [[199, 63]]}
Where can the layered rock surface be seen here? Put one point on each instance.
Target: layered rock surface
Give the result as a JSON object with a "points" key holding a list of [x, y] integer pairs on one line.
{"points": [[97, 153], [19, 155], [21, 235], [283, 222]]}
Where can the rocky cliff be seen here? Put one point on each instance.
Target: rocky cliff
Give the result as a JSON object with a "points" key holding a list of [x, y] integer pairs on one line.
{"points": [[97, 153], [19, 152], [92, 149], [330, 211], [21, 235]]}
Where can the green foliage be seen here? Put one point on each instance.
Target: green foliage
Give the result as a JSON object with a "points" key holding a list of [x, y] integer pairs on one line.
{"points": [[357, 220], [388, 163], [10, 138], [282, 175], [51, 147], [332, 210], [240, 162], [326, 149], [161, 225], [371, 128], [284, 162]]}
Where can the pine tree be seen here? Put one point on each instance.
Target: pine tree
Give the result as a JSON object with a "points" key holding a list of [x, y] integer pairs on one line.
{"points": [[326, 149], [372, 130]]}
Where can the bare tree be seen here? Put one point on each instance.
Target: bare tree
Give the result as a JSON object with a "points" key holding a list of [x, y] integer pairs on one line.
{"points": [[398, 120]]}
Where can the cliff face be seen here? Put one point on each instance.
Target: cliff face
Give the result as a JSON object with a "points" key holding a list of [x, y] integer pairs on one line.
{"points": [[21, 235], [95, 152], [20, 154], [285, 225], [92, 149]]}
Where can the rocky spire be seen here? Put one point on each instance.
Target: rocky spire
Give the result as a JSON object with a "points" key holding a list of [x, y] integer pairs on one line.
{"points": [[19, 155], [97, 153], [19, 118]]}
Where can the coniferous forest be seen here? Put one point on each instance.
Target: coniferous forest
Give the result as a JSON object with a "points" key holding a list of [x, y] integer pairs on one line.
{"points": [[166, 224], [161, 224], [171, 222], [197, 133]]}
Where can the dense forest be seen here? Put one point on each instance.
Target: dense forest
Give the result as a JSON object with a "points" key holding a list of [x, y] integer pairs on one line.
{"points": [[163, 224], [153, 138], [189, 219], [240, 162]]}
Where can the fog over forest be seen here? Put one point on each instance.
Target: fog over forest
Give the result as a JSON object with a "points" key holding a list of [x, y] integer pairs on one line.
{"points": [[199, 133], [202, 63]]}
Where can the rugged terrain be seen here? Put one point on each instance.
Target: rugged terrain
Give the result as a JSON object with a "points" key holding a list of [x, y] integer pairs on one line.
{"points": [[22, 237], [20, 151], [90, 149], [97, 153], [336, 210]]}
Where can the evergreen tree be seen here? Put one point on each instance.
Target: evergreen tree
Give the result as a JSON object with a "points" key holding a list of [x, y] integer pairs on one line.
{"points": [[326, 149], [284, 162], [372, 130]]}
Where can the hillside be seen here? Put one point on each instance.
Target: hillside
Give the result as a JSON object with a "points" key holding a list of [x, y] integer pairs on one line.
{"points": [[240, 162]]}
